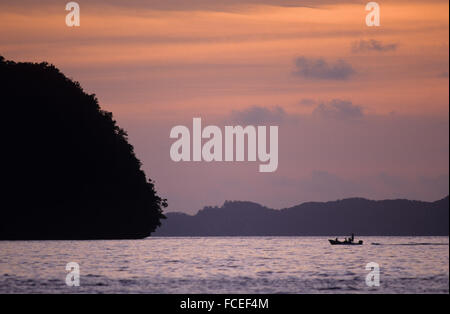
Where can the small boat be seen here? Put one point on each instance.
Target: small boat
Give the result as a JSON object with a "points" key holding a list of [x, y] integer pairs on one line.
{"points": [[337, 242]]}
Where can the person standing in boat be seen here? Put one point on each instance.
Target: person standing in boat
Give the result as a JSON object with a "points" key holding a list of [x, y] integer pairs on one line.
{"points": [[352, 238]]}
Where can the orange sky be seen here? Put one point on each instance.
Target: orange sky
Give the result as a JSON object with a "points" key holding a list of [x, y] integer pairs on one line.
{"points": [[161, 62], [241, 57]]}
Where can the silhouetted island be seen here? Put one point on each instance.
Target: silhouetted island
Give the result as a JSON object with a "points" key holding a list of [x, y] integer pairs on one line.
{"points": [[68, 170], [338, 218]]}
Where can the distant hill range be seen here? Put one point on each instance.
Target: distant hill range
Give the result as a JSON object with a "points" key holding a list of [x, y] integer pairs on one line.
{"points": [[337, 218]]}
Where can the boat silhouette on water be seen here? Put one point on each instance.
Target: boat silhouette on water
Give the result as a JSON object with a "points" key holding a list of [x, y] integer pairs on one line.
{"points": [[337, 242], [349, 241]]}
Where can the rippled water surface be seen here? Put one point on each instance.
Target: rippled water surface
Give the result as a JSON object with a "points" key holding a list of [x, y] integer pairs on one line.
{"points": [[226, 265]]}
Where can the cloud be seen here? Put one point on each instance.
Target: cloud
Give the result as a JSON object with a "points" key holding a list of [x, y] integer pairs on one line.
{"points": [[372, 45], [322, 70], [177, 5], [259, 115], [338, 109], [307, 102]]}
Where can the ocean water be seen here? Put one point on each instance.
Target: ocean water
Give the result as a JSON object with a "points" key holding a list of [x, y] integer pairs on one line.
{"points": [[226, 265]]}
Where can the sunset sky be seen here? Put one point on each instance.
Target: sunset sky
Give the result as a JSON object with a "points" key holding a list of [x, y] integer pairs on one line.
{"points": [[362, 111]]}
